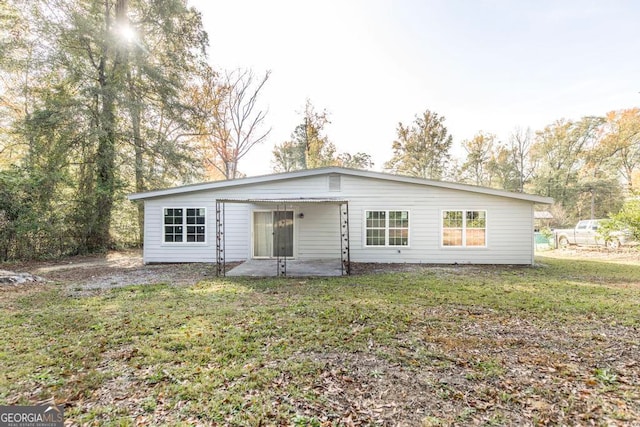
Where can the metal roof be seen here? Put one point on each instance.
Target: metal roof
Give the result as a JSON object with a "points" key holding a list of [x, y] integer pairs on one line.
{"points": [[289, 201]]}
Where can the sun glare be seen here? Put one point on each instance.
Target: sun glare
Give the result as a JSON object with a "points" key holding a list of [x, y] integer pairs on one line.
{"points": [[127, 33]]}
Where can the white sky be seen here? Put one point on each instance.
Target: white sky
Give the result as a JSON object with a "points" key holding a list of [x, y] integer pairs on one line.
{"points": [[487, 65]]}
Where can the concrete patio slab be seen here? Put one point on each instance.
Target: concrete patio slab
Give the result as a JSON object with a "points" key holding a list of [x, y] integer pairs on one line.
{"points": [[295, 268]]}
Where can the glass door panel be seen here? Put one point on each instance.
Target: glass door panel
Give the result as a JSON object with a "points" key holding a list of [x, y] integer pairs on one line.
{"points": [[262, 234], [283, 233], [272, 234]]}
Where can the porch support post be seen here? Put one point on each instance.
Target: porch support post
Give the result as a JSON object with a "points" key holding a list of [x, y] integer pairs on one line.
{"points": [[276, 239], [345, 251], [220, 243], [281, 256]]}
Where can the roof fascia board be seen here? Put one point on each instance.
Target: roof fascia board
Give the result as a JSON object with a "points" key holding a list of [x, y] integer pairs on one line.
{"points": [[230, 183], [461, 187], [345, 171]]}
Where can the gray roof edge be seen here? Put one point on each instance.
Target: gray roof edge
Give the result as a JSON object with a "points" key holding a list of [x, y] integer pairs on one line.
{"points": [[227, 183], [213, 185], [453, 186]]}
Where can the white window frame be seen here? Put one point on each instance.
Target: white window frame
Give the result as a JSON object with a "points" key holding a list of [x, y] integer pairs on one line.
{"points": [[185, 225], [386, 228], [464, 228]]}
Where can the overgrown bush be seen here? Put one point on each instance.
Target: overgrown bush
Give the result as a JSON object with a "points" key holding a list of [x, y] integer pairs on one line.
{"points": [[627, 220]]}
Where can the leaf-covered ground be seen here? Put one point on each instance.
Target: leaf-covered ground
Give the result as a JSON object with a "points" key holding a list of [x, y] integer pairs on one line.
{"points": [[555, 344]]}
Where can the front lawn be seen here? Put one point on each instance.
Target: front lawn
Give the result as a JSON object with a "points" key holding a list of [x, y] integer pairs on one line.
{"points": [[558, 343]]}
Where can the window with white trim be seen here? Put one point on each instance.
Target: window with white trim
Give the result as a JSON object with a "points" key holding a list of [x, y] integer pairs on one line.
{"points": [[386, 228], [184, 225], [462, 228]]}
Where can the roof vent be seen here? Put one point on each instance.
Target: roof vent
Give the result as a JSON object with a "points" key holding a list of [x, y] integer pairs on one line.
{"points": [[334, 182]]}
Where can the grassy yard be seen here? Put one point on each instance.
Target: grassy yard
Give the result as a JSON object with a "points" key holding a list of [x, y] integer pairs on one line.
{"points": [[554, 344]]}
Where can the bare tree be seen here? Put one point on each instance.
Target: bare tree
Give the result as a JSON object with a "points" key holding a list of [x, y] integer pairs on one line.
{"points": [[520, 143], [235, 123]]}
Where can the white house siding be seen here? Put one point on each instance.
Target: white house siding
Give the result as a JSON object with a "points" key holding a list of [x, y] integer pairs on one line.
{"points": [[236, 230], [319, 231], [155, 250], [509, 222], [316, 235]]}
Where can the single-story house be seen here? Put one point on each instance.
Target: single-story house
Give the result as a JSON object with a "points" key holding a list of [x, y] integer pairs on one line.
{"points": [[344, 214]]}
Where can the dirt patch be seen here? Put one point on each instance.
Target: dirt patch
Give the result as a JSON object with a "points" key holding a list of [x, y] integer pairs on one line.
{"points": [[95, 273], [361, 268], [626, 255]]}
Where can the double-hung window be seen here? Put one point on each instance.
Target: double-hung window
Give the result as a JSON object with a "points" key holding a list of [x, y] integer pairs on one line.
{"points": [[387, 228], [184, 225], [462, 228]]}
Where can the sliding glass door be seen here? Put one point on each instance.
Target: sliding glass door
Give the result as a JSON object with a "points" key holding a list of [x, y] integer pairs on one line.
{"points": [[272, 234]]}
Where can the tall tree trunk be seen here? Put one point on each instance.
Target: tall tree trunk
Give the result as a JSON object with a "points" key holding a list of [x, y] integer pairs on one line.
{"points": [[138, 145], [105, 165], [99, 236]]}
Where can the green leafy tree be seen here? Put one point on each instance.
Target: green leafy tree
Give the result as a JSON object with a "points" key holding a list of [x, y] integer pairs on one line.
{"points": [[163, 51], [503, 169], [422, 149], [570, 169], [494, 164], [288, 156], [476, 168], [599, 184], [358, 160], [95, 111], [310, 147], [310, 134], [627, 219], [621, 144]]}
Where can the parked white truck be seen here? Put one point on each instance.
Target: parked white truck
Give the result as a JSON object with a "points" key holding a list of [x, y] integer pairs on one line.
{"points": [[586, 233]]}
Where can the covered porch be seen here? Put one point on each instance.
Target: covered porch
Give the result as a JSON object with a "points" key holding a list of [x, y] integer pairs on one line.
{"points": [[284, 240]]}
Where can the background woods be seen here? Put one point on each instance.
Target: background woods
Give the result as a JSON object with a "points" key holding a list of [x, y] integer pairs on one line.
{"points": [[91, 109], [589, 166], [100, 98]]}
